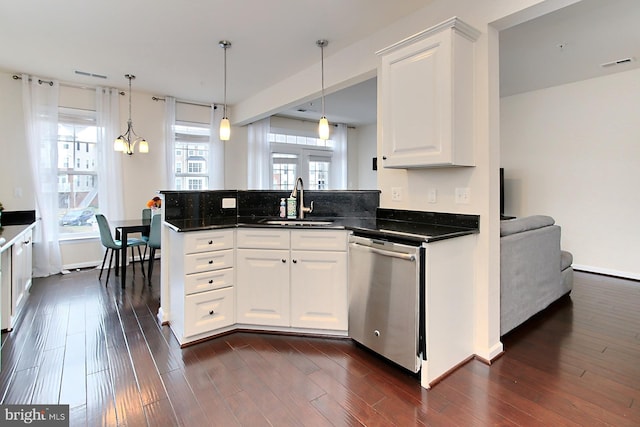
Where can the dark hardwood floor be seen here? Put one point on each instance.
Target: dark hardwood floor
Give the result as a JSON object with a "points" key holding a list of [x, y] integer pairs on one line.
{"points": [[100, 350]]}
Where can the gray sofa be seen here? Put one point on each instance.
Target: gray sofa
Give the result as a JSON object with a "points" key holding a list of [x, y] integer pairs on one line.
{"points": [[534, 271]]}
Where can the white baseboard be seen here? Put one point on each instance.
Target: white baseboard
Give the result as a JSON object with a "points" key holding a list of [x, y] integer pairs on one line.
{"points": [[607, 271], [98, 263]]}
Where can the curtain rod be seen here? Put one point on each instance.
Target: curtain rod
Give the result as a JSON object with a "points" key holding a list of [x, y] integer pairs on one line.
{"points": [[308, 120], [157, 98], [65, 84]]}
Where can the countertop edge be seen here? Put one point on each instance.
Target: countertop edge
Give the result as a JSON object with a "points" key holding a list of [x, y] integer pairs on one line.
{"points": [[430, 239], [8, 243]]}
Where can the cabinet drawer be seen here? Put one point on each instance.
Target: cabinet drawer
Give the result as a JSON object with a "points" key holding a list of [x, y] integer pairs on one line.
{"points": [[263, 238], [209, 240], [207, 281], [319, 240], [208, 261], [207, 311]]}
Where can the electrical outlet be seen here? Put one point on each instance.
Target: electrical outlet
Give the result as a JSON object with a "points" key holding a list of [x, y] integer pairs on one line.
{"points": [[463, 195], [396, 193], [432, 195]]}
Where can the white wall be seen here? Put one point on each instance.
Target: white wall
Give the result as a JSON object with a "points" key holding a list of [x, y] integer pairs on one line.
{"points": [[366, 141], [573, 152], [15, 175]]}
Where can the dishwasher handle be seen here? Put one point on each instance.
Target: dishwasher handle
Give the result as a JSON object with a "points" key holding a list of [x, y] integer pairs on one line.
{"points": [[400, 255]]}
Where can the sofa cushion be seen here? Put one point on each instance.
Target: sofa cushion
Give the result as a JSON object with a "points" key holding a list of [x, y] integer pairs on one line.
{"points": [[566, 259], [519, 225]]}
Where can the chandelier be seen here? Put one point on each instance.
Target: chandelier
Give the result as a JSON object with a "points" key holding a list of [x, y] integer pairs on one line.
{"points": [[128, 140]]}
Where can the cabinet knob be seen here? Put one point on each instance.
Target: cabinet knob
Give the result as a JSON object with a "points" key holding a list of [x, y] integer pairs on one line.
{"points": [[211, 242], [295, 261], [211, 281], [284, 260], [384, 157], [210, 261], [211, 312]]}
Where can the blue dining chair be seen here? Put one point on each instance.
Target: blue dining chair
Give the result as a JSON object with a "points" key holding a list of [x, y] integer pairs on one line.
{"points": [[154, 241], [146, 216], [115, 245]]}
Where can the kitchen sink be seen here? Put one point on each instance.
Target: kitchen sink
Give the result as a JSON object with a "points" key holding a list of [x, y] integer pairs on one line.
{"points": [[298, 222]]}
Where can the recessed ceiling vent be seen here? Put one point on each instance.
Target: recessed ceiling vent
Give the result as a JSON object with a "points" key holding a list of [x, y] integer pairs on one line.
{"points": [[617, 62], [84, 73]]}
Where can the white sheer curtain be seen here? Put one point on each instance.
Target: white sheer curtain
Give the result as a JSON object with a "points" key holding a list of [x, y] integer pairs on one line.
{"points": [[258, 155], [170, 141], [216, 153], [338, 177], [109, 165], [40, 104]]}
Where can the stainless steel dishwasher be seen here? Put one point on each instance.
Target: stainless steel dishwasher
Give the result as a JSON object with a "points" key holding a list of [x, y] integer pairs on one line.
{"points": [[386, 299]]}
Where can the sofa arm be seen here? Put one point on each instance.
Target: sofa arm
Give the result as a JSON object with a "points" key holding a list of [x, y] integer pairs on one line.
{"points": [[525, 223]]}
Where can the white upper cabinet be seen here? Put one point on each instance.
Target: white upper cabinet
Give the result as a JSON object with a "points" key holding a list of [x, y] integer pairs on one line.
{"points": [[425, 88]]}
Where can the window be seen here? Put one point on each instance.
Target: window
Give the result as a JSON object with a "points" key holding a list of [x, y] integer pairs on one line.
{"points": [[192, 150], [77, 186], [296, 155]]}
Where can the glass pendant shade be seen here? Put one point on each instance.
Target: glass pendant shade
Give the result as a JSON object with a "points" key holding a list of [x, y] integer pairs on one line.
{"points": [[144, 146], [118, 144], [225, 129], [323, 128]]}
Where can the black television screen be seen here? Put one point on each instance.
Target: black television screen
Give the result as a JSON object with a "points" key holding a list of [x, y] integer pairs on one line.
{"points": [[501, 191]]}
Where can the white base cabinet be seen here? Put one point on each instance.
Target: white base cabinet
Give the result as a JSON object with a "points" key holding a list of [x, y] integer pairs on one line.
{"points": [[17, 263], [295, 279], [201, 283]]}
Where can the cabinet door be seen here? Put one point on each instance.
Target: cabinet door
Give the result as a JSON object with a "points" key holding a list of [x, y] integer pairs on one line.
{"points": [[21, 278], [207, 311], [426, 98], [263, 287], [319, 290]]}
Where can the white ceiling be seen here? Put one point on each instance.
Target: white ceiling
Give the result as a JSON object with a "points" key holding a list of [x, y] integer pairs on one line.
{"points": [[172, 46]]}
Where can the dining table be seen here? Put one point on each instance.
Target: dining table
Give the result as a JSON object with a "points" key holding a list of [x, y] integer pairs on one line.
{"points": [[123, 229]]}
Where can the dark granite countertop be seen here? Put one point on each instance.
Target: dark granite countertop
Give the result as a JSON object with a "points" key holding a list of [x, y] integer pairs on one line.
{"points": [[406, 226]]}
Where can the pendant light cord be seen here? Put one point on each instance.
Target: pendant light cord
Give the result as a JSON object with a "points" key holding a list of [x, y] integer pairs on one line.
{"points": [[322, 73], [225, 81]]}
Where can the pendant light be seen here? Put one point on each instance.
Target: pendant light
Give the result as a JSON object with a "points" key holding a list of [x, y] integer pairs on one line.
{"points": [[225, 126], [128, 140], [323, 125]]}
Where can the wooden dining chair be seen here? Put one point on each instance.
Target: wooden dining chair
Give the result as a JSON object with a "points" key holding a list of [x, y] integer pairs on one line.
{"points": [[154, 241], [115, 245]]}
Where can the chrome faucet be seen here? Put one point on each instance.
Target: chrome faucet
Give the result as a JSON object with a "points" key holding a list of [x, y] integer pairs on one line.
{"points": [[301, 208]]}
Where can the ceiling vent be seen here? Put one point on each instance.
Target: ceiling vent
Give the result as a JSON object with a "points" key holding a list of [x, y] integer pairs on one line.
{"points": [[617, 62], [84, 73]]}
